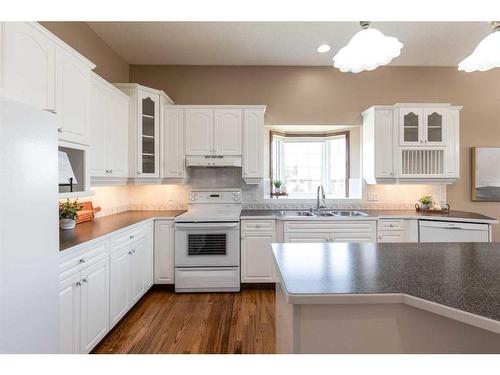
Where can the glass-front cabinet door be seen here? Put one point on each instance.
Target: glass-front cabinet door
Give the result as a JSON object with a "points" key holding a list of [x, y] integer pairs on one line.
{"points": [[434, 119], [148, 137], [410, 126]]}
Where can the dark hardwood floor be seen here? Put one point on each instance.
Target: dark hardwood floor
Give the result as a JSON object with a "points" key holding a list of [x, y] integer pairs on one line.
{"points": [[165, 322]]}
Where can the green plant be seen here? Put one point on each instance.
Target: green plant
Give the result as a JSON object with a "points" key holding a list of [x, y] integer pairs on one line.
{"points": [[426, 199], [69, 209], [277, 183]]}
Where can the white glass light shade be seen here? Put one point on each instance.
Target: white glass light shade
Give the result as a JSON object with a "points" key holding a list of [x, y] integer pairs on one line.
{"points": [[367, 50], [486, 56]]}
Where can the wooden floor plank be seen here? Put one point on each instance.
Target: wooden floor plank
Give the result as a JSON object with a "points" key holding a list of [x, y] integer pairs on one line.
{"points": [[217, 323]]}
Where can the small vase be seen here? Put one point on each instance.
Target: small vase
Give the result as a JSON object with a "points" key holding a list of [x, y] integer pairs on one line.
{"points": [[424, 206], [67, 223]]}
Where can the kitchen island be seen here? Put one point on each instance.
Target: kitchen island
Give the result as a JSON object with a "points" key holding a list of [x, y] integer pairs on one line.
{"points": [[388, 298]]}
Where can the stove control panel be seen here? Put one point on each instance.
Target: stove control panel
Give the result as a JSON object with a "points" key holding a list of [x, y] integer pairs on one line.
{"points": [[215, 196]]}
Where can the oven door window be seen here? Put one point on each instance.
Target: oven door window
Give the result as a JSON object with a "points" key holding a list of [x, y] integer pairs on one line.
{"points": [[207, 244]]}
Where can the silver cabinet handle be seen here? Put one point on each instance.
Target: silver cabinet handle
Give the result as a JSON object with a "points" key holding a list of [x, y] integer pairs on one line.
{"points": [[131, 237], [84, 280], [133, 251], [130, 253], [78, 283], [82, 260]]}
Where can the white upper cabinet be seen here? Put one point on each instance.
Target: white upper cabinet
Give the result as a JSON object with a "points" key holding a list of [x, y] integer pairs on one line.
{"points": [[213, 131], [227, 131], [28, 64], [253, 144], [172, 143], [199, 129], [144, 129], [108, 130], [378, 145], [72, 97], [422, 126], [419, 143]]}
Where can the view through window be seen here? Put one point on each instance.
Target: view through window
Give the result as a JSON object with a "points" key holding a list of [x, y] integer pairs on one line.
{"points": [[302, 162]]}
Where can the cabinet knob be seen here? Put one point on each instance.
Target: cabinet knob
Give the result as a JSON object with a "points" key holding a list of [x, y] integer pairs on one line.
{"points": [[82, 260], [59, 130], [131, 237], [130, 253], [78, 283], [84, 281]]}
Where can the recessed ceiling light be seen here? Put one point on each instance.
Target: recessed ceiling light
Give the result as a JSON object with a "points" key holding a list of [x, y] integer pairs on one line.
{"points": [[323, 48]]}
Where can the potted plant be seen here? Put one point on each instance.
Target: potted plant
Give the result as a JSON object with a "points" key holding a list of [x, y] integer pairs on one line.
{"points": [[67, 213], [425, 202], [277, 185]]}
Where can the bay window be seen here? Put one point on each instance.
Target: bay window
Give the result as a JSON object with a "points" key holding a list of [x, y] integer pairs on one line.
{"points": [[304, 161]]}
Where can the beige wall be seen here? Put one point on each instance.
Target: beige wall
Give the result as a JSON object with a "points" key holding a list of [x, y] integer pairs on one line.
{"points": [[82, 38], [323, 95]]}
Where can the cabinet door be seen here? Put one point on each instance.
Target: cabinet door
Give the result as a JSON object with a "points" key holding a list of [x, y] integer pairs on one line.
{"points": [[257, 263], [29, 65], [148, 135], [253, 144], [199, 131], [307, 237], [99, 138], [69, 315], [451, 137], [164, 252], [94, 305], [118, 124], [120, 275], [173, 143], [384, 166], [72, 101], [434, 126], [137, 274], [227, 131], [149, 257], [410, 126]]}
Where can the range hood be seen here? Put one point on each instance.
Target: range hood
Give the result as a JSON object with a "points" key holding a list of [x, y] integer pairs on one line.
{"points": [[213, 161]]}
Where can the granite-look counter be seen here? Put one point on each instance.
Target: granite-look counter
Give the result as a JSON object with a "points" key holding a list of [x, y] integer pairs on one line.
{"points": [[451, 215], [102, 226], [463, 277]]}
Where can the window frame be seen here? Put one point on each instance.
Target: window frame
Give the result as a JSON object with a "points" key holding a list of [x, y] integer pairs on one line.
{"points": [[325, 135]]}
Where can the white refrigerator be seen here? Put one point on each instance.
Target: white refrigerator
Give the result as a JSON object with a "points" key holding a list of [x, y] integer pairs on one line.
{"points": [[29, 243]]}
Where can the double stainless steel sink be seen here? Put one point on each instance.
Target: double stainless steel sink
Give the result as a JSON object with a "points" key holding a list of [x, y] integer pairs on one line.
{"points": [[324, 213]]}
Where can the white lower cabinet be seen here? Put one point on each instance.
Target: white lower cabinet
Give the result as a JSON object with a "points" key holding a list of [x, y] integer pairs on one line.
{"points": [[100, 283], [94, 305], [84, 301], [257, 263], [397, 230], [331, 231], [164, 252]]}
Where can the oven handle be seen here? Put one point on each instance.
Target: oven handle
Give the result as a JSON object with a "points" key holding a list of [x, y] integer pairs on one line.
{"points": [[207, 225]]}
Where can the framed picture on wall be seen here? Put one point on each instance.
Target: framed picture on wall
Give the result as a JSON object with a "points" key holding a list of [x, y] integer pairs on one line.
{"points": [[485, 174]]}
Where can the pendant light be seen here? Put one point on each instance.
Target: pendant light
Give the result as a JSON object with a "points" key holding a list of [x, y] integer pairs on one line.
{"points": [[486, 56], [367, 50]]}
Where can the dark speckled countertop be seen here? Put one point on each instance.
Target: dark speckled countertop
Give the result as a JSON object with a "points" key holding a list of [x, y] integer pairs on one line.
{"points": [[464, 276], [100, 227]]}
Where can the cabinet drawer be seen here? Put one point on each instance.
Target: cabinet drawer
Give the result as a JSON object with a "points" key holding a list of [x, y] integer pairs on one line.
{"points": [[83, 258], [391, 224], [337, 226], [128, 237], [258, 225], [391, 236]]}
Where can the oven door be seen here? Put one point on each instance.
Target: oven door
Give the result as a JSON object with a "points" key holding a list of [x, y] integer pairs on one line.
{"points": [[207, 244]]}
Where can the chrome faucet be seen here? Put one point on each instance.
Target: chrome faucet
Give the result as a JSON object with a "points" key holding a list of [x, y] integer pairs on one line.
{"points": [[319, 205]]}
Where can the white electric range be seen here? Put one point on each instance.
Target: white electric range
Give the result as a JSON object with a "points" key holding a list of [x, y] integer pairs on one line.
{"points": [[207, 242]]}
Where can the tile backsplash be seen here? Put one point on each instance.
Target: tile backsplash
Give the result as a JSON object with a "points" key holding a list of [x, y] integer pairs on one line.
{"points": [[115, 199]]}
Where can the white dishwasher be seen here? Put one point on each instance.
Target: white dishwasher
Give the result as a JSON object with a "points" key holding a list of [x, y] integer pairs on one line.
{"points": [[451, 231]]}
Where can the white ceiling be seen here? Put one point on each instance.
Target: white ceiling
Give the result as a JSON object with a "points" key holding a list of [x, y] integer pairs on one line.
{"points": [[281, 43]]}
